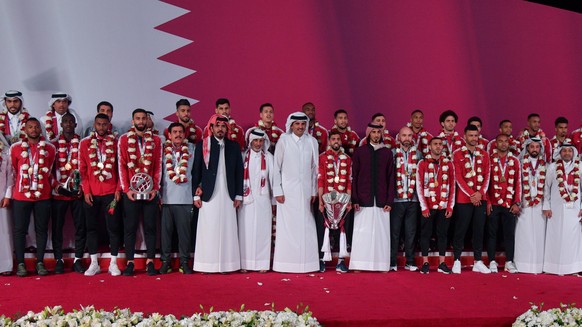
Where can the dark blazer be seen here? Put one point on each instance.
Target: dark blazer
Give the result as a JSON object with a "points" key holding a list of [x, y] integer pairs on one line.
{"points": [[206, 177], [373, 177]]}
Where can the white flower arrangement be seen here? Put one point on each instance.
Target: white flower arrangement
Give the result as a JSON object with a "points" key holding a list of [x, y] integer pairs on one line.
{"points": [[89, 316], [565, 315]]}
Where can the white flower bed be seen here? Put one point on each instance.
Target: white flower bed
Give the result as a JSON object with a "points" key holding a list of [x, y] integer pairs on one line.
{"points": [[566, 315], [89, 316]]}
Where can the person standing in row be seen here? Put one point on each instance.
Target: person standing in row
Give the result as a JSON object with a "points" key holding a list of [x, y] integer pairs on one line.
{"points": [[315, 129], [13, 119], [6, 184]]}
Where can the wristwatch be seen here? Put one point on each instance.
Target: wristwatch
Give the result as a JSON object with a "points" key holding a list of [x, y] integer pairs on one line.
{"points": [[517, 204]]}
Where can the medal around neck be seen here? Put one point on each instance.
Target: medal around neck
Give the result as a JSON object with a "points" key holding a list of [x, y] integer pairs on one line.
{"points": [[141, 184]]}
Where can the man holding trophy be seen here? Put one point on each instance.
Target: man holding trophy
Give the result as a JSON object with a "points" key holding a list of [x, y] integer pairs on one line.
{"points": [[67, 193], [140, 155], [334, 187]]}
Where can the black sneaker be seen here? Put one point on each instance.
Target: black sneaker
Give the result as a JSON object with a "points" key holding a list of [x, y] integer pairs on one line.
{"points": [[151, 269], [185, 269], [443, 268], [425, 268], [40, 269], [165, 268], [21, 270], [128, 269], [59, 267], [321, 266], [78, 266], [341, 267]]}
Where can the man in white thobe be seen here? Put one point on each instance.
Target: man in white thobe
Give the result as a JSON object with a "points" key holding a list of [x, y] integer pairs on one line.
{"points": [[217, 178], [530, 229], [563, 251], [6, 182], [295, 189], [255, 215]]}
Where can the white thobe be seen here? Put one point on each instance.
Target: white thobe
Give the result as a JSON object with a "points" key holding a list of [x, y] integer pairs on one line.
{"points": [[255, 218], [296, 161], [217, 248], [563, 250], [530, 233], [6, 182], [371, 240]]}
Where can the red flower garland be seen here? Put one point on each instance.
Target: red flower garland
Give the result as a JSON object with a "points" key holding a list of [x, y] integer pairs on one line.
{"points": [[22, 117], [401, 170], [337, 180], [498, 176], [473, 175], [177, 173], [102, 169], [438, 182], [529, 170], [572, 194], [26, 170], [144, 163], [66, 162]]}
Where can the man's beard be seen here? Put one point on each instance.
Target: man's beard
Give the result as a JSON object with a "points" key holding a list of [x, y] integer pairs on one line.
{"points": [[336, 147], [534, 154], [185, 120], [140, 128]]}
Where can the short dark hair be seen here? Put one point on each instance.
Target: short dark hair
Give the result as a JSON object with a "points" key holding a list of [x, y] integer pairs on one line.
{"points": [[101, 116], [182, 102], [222, 101], [68, 114], [339, 111], [137, 111], [266, 105], [104, 103], [532, 115], [307, 103], [560, 120], [333, 132], [376, 115], [415, 111], [500, 135], [471, 127], [503, 122], [175, 124], [446, 114], [474, 119], [435, 138], [32, 119]]}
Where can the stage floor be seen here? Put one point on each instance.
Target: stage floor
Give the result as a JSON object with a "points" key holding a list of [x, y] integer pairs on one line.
{"points": [[353, 299]]}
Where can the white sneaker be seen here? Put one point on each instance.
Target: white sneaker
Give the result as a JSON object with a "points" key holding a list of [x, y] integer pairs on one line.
{"points": [[114, 270], [457, 267], [411, 267], [510, 267], [493, 266], [393, 268], [480, 267], [93, 269]]}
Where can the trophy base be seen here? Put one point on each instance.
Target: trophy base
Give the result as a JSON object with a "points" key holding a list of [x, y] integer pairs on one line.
{"points": [[141, 196]]}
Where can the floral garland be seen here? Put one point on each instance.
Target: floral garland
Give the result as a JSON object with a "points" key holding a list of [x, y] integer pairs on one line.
{"points": [[498, 176], [102, 169], [177, 173], [347, 138], [526, 135], [27, 171], [272, 132], [233, 127], [48, 123], [565, 315], [144, 163], [421, 138], [336, 180], [556, 143], [67, 159], [527, 168], [22, 118], [436, 180], [473, 172], [572, 194], [401, 170], [457, 141]]}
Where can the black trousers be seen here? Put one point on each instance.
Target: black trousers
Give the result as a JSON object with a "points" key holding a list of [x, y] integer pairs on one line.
{"points": [[58, 214], [133, 211], [194, 228], [403, 213], [180, 217], [442, 229], [467, 213], [501, 215], [21, 216], [319, 227], [93, 218]]}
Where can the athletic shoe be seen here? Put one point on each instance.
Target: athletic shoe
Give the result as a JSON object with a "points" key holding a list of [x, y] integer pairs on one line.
{"points": [[59, 267], [393, 268], [321, 266], [425, 268], [93, 269], [185, 269], [457, 267], [78, 266], [444, 269], [341, 267], [21, 270], [165, 268], [493, 266], [480, 267], [411, 267], [151, 269], [40, 269], [510, 267], [128, 269], [113, 269]]}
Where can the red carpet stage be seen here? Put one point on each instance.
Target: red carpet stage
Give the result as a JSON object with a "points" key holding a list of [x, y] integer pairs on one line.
{"points": [[354, 299]]}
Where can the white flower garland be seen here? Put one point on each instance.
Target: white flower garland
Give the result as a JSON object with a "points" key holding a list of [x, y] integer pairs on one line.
{"points": [[26, 171], [102, 169], [472, 173], [568, 193], [401, 170], [528, 170], [498, 178], [144, 163], [177, 172], [68, 160]]}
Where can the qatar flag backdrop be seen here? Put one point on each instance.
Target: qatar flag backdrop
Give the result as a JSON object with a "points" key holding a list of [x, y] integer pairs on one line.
{"points": [[497, 59]]}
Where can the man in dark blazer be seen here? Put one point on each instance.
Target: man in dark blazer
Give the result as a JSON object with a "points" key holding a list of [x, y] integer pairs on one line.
{"points": [[217, 183]]}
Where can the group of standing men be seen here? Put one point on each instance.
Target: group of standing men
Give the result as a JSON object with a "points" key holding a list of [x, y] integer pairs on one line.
{"points": [[527, 185]]}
